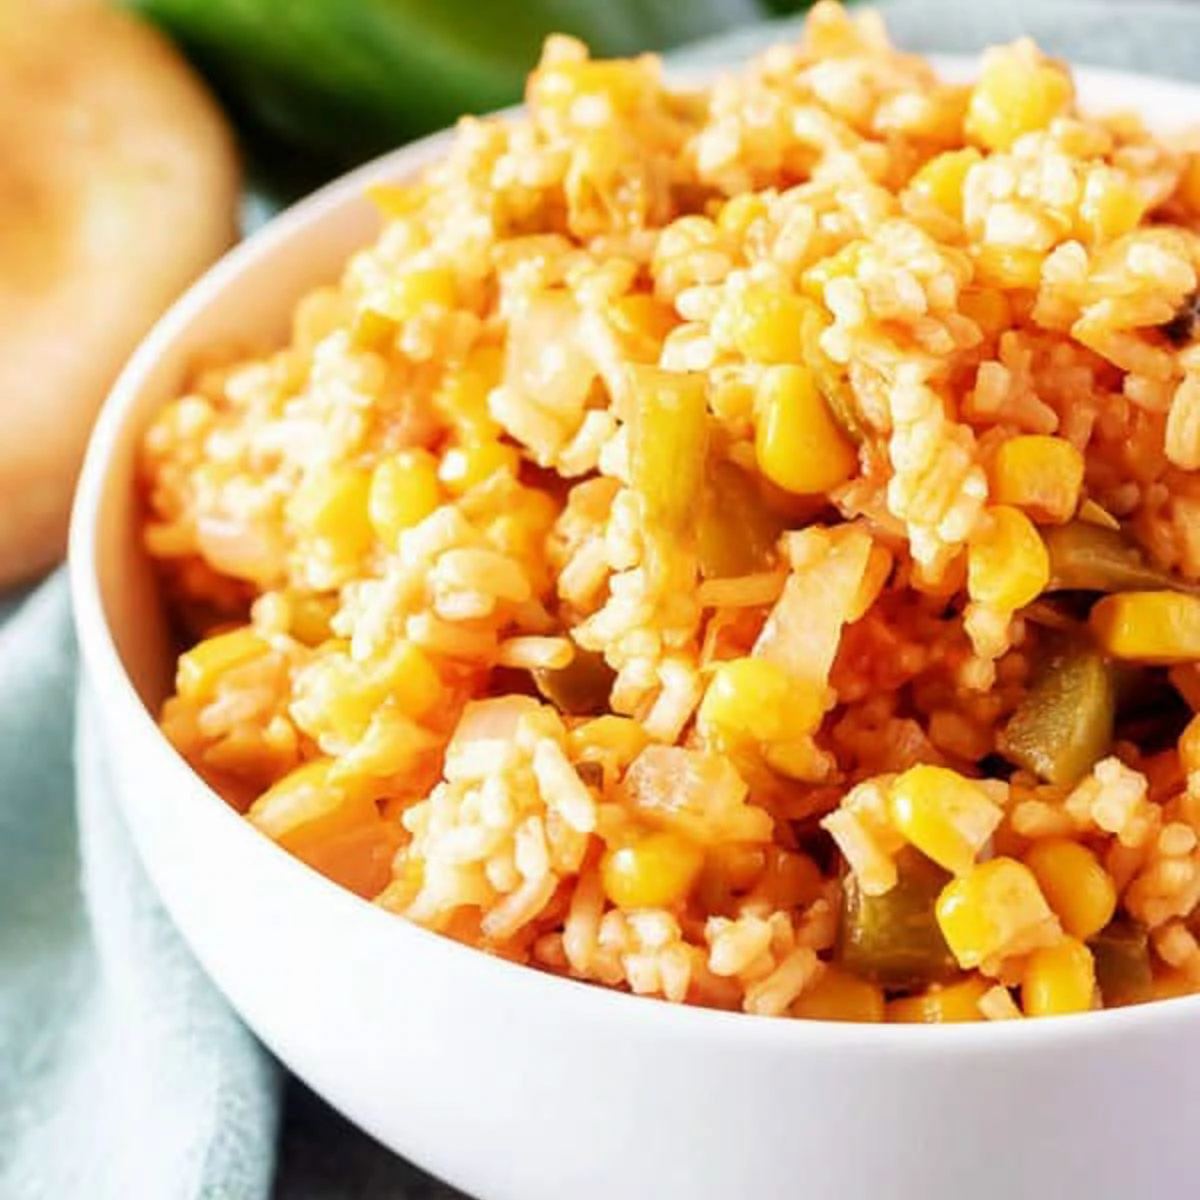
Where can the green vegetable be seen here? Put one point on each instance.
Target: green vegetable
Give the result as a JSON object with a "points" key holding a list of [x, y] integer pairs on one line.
{"points": [[581, 688], [1064, 725], [668, 445], [1122, 955], [1090, 558], [894, 939], [737, 531], [349, 78]]}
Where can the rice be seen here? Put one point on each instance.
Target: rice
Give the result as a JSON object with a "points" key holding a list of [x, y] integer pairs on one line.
{"points": [[693, 549]]}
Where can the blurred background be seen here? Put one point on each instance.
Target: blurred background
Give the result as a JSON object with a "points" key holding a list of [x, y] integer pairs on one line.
{"points": [[318, 85]]}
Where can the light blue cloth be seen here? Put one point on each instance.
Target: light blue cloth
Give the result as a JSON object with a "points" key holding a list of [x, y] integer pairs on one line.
{"points": [[123, 1075]]}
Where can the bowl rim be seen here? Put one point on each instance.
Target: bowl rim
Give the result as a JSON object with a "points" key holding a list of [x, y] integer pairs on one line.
{"points": [[106, 672]]}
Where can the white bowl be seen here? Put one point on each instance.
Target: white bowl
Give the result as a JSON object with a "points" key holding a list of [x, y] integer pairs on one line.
{"points": [[514, 1085]]}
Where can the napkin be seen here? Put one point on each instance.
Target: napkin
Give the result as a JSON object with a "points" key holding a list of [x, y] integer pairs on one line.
{"points": [[123, 1073]]}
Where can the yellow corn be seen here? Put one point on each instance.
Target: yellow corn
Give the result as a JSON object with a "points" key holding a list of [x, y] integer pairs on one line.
{"points": [[1043, 476], [755, 700], [1079, 890], [1018, 92], [836, 266], [305, 798], [462, 398], [952, 1004], [1007, 563], [404, 491], [641, 323], [1111, 206], [995, 909], [766, 328], [657, 870], [840, 996], [330, 507], [201, 668], [941, 179], [407, 295], [309, 615], [948, 818], [1162, 628], [799, 446], [1059, 979], [739, 213], [465, 466], [620, 738], [998, 266]]}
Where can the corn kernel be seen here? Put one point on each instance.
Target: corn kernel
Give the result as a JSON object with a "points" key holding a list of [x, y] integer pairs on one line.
{"points": [[952, 1004], [462, 397], [201, 668], [1189, 184], [330, 507], [996, 909], [836, 266], [767, 326], [998, 266], [1059, 979], [840, 996], [799, 445], [1018, 93], [305, 798], [1041, 475], [739, 213], [463, 467], [404, 491], [1162, 628], [407, 295], [941, 179], [1111, 206], [1079, 890], [1007, 563], [310, 614], [948, 818], [641, 323], [657, 870], [754, 700], [620, 738]]}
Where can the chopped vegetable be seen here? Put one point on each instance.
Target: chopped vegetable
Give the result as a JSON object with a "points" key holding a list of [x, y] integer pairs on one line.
{"points": [[893, 940], [1091, 558], [737, 532], [668, 444], [1122, 956], [1064, 724], [1162, 628], [581, 688]]}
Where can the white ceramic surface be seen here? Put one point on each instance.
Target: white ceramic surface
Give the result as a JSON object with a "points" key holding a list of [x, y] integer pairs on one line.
{"points": [[516, 1086]]}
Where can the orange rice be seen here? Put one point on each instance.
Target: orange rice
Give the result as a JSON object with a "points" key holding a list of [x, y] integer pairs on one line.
{"points": [[738, 546]]}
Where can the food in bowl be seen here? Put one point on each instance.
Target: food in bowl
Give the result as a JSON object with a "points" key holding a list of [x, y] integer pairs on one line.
{"points": [[733, 544]]}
